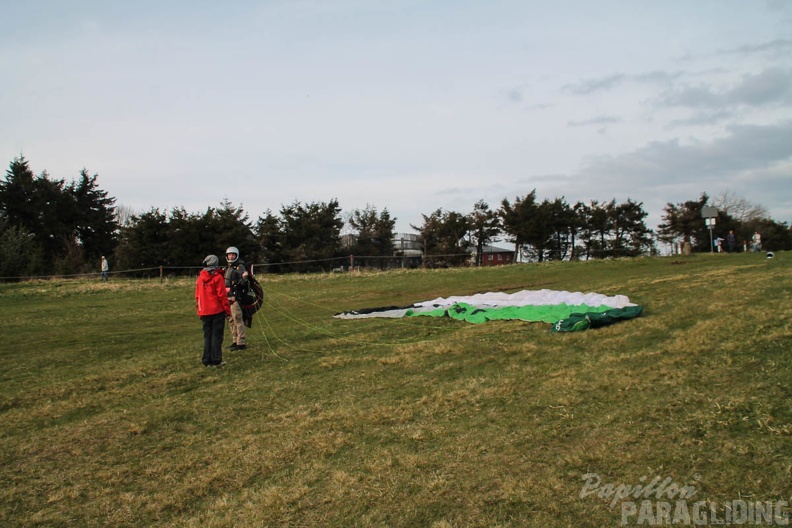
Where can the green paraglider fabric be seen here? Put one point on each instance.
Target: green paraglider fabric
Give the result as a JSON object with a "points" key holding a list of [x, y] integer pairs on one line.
{"points": [[563, 317], [565, 311]]}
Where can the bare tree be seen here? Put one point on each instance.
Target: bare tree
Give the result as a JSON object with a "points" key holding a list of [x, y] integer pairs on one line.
{"points": [[123, 215], [739, 208]]}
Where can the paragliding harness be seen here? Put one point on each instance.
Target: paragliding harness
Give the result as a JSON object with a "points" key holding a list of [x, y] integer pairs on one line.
{"points": [[250, 296]]}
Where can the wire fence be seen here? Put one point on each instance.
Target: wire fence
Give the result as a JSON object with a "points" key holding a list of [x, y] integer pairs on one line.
{"points": [[332, 264]]}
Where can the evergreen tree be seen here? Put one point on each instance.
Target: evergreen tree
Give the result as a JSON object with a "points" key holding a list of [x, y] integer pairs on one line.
{"points": [[443, 238], [57, 223], [631, 237], [69, 223], [20, 256], [542, 229], [683, 223], [232, 227], [17, 196], [580, 230], [144, 243], [601, 225], [190, 238], [96, 225], [269, 235], [560, 220], [311, 235], [373, 234], [42, 207], [516, 219], [484, 227]]}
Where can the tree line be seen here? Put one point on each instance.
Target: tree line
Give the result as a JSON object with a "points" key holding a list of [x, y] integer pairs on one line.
{"points": [[49, 226], [683, 224], [53, 227]]}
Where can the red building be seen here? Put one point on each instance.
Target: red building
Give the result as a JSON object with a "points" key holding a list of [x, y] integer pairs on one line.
{"points": [[493, 256]]}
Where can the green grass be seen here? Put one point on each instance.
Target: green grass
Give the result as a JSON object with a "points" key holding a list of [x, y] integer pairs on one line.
{"points": [[108, 418]]}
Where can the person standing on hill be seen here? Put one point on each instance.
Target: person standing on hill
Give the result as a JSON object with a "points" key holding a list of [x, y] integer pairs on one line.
{"points": [[235, 280], [756, 241], [211, 303], [105, 270], [731, 240]]}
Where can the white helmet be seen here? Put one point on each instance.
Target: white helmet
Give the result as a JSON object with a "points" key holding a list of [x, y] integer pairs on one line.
{"points": [[232, 250]]}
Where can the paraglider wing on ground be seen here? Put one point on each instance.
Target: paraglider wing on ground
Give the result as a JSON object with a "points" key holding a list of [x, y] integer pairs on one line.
{"points": [[566, 311]]}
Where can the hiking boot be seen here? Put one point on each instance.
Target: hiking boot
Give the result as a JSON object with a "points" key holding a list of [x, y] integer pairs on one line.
{"points": [[233, 346], [240, 347]]}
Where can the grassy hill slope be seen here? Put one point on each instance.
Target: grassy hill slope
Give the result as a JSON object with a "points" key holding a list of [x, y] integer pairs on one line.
{"points": [[107, 416]]}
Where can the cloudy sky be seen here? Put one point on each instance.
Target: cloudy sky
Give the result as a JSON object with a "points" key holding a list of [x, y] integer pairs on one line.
{"points": [[407, 105]]}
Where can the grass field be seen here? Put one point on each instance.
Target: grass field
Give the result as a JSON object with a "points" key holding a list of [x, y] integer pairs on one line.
{"points": [[108, 418]]}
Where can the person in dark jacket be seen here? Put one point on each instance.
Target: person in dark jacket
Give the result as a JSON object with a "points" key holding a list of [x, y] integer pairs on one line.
{"points": [[236, 276], [211, 303]]}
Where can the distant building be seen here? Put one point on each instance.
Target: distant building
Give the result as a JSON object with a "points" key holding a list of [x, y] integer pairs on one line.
{"points": [[408, 247], [492, 256], [407, 253], [406, 244]]}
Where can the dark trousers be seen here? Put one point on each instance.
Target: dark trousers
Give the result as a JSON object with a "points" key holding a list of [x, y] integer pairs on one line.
{"points": [[213, 327]]}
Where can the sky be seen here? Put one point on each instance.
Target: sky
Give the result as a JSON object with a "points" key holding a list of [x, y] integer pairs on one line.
{"points": [[404, 105]]}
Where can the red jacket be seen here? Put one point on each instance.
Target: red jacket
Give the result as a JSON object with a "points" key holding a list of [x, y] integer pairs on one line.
{"points": [[210, 294]]}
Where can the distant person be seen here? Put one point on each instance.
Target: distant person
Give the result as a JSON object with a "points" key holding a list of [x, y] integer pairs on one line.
{"points": [[756, 242], [731, 241], [719, 244], [211, 303], [235, 280], [105, 270]]}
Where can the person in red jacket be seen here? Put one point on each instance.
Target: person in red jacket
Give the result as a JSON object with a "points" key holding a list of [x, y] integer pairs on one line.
{"points": [[211, 303]]}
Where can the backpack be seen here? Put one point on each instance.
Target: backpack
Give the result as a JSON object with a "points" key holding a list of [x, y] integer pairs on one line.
{"points": [[250, 296]]}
